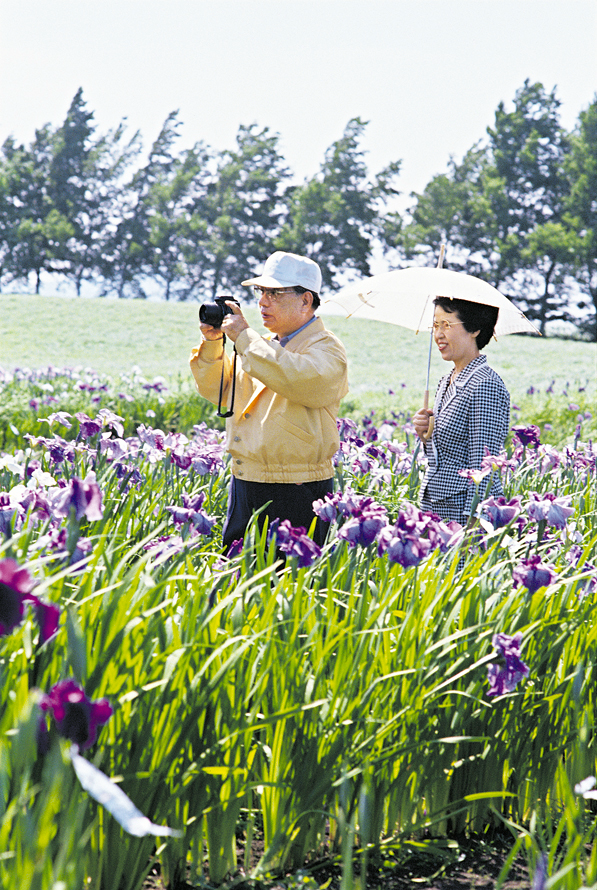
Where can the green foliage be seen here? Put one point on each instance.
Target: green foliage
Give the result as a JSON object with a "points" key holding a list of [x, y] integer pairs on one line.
{"points": [[340, 707]]}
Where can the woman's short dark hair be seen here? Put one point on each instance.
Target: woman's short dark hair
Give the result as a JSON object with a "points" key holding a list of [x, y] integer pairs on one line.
{"points": [[303, 290], [474, 317]]}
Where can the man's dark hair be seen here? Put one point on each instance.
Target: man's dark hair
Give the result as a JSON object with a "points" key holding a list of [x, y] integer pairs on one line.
{"points": [[474, 317], [303, 290]]}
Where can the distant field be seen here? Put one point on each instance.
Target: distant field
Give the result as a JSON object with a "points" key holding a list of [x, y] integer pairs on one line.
{"points": [[112, 336]]}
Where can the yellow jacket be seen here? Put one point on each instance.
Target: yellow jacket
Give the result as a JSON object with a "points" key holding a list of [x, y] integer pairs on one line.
{"points": [[286, 402]]}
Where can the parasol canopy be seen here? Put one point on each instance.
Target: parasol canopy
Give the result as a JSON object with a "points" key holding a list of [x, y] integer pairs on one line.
{"points": [[405, 297]]}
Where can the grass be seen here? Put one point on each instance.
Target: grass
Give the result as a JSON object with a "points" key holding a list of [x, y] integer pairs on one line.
{"points": [[387, 363]]}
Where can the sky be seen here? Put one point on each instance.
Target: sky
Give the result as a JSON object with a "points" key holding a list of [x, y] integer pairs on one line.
{"points": [[427, 75]]}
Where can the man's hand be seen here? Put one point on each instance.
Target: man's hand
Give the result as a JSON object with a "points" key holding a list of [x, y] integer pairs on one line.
{"points": [[234, 324], [421, 422], [210, 333]]}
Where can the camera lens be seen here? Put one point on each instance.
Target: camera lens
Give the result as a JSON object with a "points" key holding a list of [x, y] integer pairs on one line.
{"points": [[212, 313]]}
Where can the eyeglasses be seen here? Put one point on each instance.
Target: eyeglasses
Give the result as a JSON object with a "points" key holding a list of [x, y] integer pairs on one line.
{"points": [[272, 294], [443, 326]]}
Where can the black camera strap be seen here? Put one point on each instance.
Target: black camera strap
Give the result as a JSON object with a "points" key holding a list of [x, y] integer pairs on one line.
{"points": [[230, 412]]}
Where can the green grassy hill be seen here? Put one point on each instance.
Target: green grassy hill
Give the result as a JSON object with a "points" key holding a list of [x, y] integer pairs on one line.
{"points": [[112, 336]]}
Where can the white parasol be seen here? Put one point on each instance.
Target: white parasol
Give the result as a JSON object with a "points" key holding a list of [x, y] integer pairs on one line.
{"points": [[405, 297]]}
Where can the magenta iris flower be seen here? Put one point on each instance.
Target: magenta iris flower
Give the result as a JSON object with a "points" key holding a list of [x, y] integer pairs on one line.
{"points": [[15, 592], [532, 574], [508, 672], [77, 718]]}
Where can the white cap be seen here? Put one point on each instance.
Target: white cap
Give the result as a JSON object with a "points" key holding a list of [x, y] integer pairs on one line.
{"points": [[289, 270]]}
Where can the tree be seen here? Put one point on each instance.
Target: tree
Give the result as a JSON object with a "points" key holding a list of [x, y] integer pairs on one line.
{"points": [[128, 255], [37, 232], [581, 169], [84, 176], [502, 210], [170, 202], [237, 216], [334, 217], [528, 149]]}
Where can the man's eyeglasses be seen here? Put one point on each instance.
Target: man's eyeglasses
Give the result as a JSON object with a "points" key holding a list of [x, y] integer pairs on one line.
{"points": [[443, 326], [274, 294]]}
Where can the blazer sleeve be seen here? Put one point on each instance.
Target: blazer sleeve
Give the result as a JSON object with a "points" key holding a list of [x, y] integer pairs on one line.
{"points": [[488, 422]]}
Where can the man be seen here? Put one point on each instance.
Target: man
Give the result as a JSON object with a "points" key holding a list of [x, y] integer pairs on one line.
{"points": [[282, 434]]}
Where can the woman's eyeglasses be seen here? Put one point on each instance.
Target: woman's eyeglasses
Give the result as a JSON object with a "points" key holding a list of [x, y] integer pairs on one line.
{"points": [[443, 326]]}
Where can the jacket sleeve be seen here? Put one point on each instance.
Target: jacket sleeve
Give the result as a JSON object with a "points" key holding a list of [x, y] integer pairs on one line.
{"points": [[206, 367], [314, 377]]}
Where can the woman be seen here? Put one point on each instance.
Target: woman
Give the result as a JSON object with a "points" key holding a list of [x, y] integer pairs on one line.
{"points": [[471, 411]]}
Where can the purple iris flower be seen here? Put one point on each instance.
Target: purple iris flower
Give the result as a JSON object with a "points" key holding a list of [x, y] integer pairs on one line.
{"points": [[77, 717], [7, 511], [15, 591], [180, 457], [405, 548], [326, 508], [528, 436], [444, 534], [111, 420], [191, 512], [61, 417], [82, 497], [295, 542], [87, 426], [508, 672], [347, 429], [505, 676], [499, 511], [363, 529], [532, 574], [552, 510]]}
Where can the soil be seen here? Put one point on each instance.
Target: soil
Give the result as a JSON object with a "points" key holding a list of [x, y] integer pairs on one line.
{"points": [[475, 865]]}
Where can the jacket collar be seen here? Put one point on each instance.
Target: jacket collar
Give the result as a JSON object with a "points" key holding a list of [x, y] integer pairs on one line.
{"points": [[448, 391]]}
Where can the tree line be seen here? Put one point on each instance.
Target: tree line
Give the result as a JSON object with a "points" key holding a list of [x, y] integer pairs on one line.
{"points": [[519, 210]]}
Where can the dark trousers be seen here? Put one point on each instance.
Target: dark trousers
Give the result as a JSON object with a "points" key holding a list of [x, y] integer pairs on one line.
{"points": [[287, 501]]}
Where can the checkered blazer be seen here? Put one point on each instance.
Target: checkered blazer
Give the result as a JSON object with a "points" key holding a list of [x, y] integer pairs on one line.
{"points": [[471, 414]]}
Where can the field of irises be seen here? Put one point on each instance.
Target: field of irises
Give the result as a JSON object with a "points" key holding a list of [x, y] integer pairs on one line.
{"points": [[230, 720]]}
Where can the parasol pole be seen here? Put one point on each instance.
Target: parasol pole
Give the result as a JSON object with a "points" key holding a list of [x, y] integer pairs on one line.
{"points": [[429, 432]]}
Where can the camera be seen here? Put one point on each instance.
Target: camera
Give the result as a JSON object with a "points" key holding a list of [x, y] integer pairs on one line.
{"points": [[214, 313]]}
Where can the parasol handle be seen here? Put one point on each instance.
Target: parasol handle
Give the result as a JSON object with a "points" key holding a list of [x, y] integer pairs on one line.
{"points": [[426, 436]]}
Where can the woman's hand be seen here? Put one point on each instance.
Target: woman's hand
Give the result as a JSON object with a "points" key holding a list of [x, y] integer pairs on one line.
{"points": [[421, 422]]}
